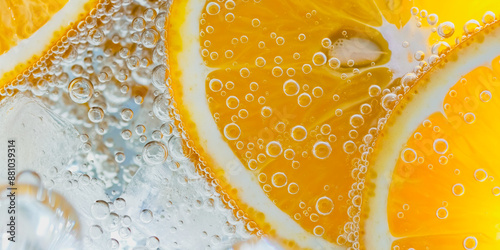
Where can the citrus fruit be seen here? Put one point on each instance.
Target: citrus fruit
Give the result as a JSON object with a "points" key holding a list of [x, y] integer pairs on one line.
{"points": [[31, 28], [432, 184], [290, 108]]}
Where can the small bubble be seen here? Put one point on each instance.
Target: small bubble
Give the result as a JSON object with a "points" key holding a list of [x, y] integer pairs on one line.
{"points": [[126, 134], [374, 90], [357, 121], [149, 38], [158, 77], [496, 191], [291, 87], [349, 147], [442, 213], [146, 216], [458, 189], [96, 114], [319, 58], [470, 243], [274, 149], [485, 96], [446, 29], [389, 101], [100, 210], [126, 114], [432, 19], [480, 175], [324, 205], [304, 100], [334, 63], [469, 118], [322, 150], [440, 146], [318, 230], [119, 157], [471, 26], [213, 8], [488, 17], [80, 90], [293, 188], [95, 232], [232, 131], [154, 153], [232, 102], [408, 155], [299, 133], [279, 179], [152, 242]]}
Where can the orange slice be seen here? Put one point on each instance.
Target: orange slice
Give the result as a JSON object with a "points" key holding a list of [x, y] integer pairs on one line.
{"points": [[282, 103], [273, 97], [433, 182], [31, 27]]}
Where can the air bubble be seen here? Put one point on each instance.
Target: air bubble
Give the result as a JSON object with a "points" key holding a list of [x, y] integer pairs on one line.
{"points": [[357, 121], [100, 210], [389, 101], [80, 90], [293, 188], [470, 243], [485, 96], [291, 87], [334, 63], [324, 205], [299, 133], [319, 58], [318, 230], [408, 155], [274, 149], [321, 150], [442, 213], [154, 153], [279, 180], [374, 90], [158, 77], [232, 131], [440, 146], [349, 147], [96, 114], [446, 29], [213, 8], [488, 17], [469, 118], [304, 100], [232, 102], [471, 26], [480, 175], [146, 216], [458, 189]]}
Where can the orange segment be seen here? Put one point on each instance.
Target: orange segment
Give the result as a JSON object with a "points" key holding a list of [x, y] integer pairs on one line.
{"points": [[22, 18], [30, 28], [444, 184]]}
